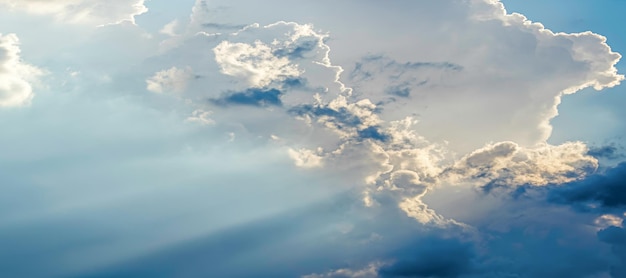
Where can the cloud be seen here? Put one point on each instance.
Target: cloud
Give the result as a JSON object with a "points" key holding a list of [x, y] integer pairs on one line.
{"points": [[603, 191], [202, 117], [16, 77], [616, 237], [403, 79], [433, 112], [251, 97], [173, 80], [458, 92], [508, 164], [520, 73], [423, 117], [256, 64], [371, 271], [433, 257], [170, 28], [610, 151], [306, 158], [428, 256], [92, 12], [350, 120]]}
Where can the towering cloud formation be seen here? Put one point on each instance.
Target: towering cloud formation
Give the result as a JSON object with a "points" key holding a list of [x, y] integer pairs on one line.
{"points": [[475, 112], [15, 76], [463, 106], [503, 84]]}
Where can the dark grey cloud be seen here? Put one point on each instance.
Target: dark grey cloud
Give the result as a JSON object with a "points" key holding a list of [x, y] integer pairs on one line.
{"points": [[297, 50], [610, 151], [294, 83], [542, 250], [343, 119], [616, 237], [250, 97], [341, 115], [373, 132], [404, 90], [598, 192], [523, 249], [432, 257]]}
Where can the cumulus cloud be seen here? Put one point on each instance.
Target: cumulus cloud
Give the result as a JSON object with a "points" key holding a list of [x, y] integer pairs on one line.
{"points": [[16, 77], [446, 90], [349, 120], [256, 64], [508, 164], [91, 12], [391, 112], [518, 70]]}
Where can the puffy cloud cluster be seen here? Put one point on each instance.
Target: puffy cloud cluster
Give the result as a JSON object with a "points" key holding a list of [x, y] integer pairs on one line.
{"points": [[282, 68], [392, 113], [92, 12], [370, 116], [508, 164], [507, 88], [389, 113], [257, 64], [16, 77], [348, 120]]}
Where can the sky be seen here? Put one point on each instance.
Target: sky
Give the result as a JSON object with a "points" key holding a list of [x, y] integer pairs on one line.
{"points": [[363, 139]]}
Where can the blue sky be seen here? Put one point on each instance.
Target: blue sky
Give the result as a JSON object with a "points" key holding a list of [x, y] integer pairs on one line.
{"points": [[284, 139]]}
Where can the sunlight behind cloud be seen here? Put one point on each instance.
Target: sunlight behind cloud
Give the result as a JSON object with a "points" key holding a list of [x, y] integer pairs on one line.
{"points": [[276, 139]]}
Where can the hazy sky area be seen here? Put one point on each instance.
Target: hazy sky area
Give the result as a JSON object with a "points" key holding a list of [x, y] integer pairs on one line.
{"points": [[318, 139]]}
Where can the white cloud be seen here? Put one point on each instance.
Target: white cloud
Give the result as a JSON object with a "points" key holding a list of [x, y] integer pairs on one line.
{"points": [[173, 80], [201, 117], [370, 271], [170, 29], [499, 78], [94, 12], [255, 63], [15, 76], [431, 110], [414, 207], [608, 220], [508, 164], [306, 158]]}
